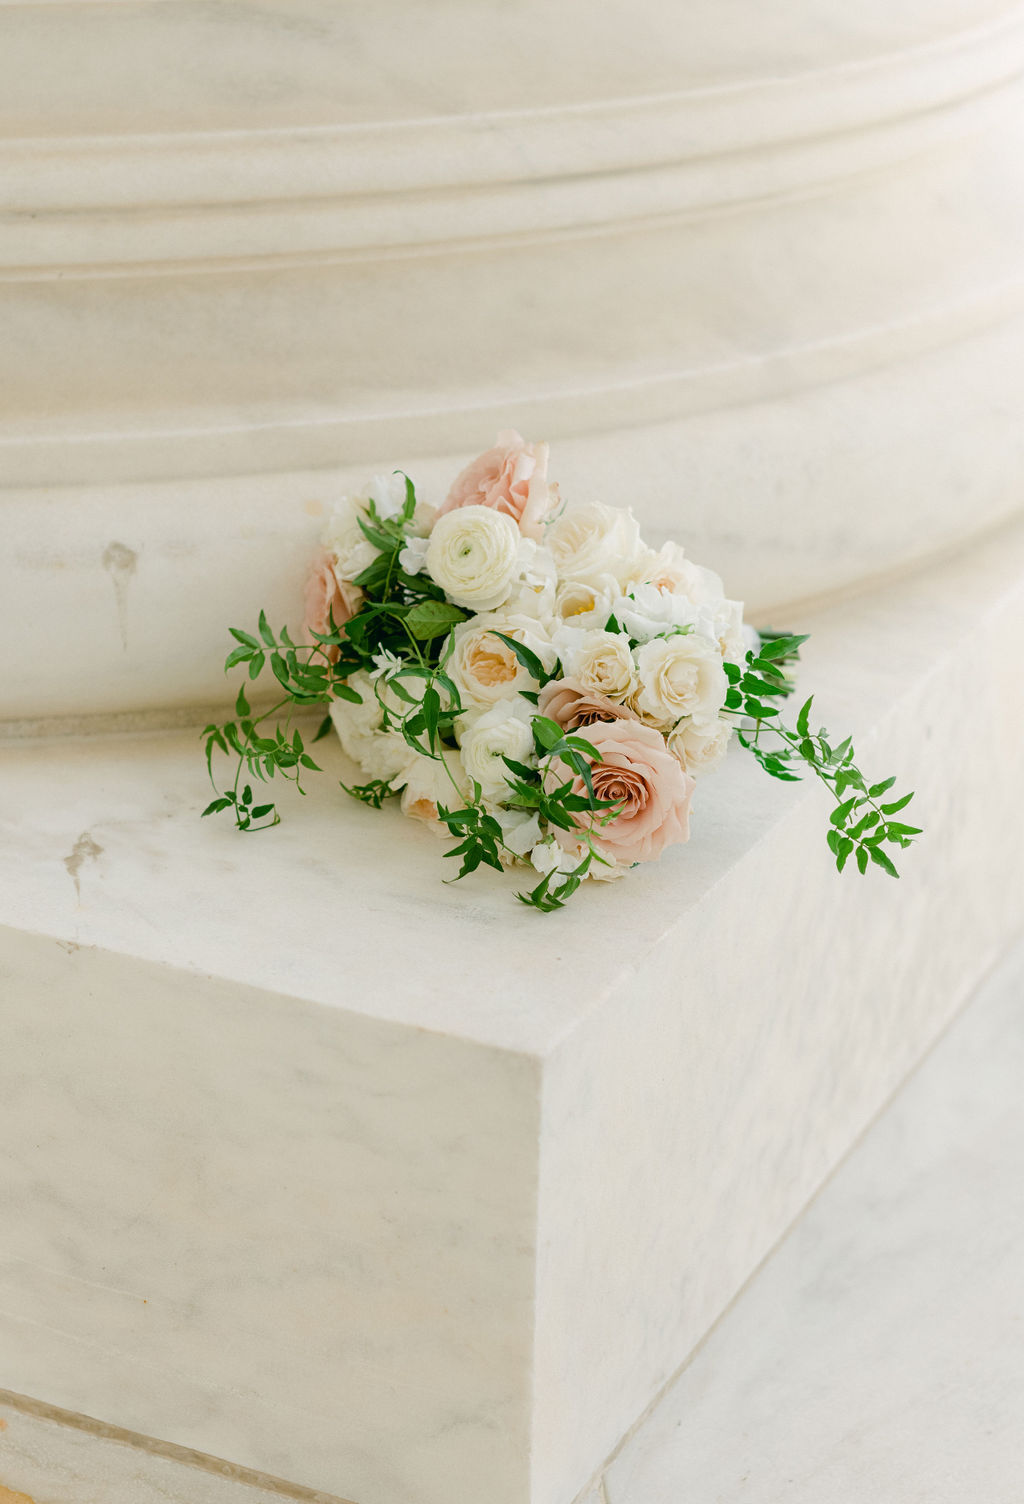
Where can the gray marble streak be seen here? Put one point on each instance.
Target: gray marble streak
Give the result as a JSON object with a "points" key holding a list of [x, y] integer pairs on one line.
{"points": [[878, 1354]]}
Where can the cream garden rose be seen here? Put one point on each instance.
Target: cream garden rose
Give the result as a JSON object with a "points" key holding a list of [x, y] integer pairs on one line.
{"points": [[681, 675], [589, 543], [700, 745], [484, 668], [503, 731], [473, 554], [600, 662]]}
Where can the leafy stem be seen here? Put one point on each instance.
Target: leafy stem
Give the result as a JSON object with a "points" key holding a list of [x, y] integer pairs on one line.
{"points": [[860, 824]]}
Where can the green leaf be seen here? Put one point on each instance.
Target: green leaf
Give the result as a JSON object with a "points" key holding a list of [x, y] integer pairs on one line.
{"points": [[256, 665], [803, 719], [345, 692], [781, 647], [216, 805], [546, 733], [245, 637], [881, 860], [261, 810], [897, 805], [862, 859], [241, 704], [432, 618], [265, 632], [529, 660], [841, 812], [880, 788]]}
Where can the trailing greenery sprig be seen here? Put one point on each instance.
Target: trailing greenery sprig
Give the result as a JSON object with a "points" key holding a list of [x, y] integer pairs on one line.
{"points": [[859, 825]]}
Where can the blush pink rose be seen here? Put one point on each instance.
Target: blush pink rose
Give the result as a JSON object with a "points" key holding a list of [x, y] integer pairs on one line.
{"points": [[511, 478], [572, 706], [637, 771], [327, 597]]}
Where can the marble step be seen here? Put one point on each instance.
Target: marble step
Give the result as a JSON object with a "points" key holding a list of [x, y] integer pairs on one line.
{"points": [[394, 1191], [877, 1354]]}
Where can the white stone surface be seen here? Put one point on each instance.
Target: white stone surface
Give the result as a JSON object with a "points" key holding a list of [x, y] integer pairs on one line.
{"points": [[878, 1353], [50, 1463], [760, 276], [398, 1191]]}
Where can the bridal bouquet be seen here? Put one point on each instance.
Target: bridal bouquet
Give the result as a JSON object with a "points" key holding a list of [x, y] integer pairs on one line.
{"points": [[532, 680]]}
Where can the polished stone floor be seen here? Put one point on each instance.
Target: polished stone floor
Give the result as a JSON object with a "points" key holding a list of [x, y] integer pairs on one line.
{"points": [[877, 1357]]}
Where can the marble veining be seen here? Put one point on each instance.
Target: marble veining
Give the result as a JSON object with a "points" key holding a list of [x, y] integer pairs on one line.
{"points": [[877, 1355]]}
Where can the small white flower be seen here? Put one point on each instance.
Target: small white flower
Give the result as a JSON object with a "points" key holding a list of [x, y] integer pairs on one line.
{"points": [[413, 557], [648, 612], [680, 676], [486, 739], [385, 664], [473, 554], [548, 856], [520, 829], [387, 492]]}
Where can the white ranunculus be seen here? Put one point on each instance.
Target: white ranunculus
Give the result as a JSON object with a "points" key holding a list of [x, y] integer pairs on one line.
{"points": [[474, 556], [597, 661], [593, 541], [484, 668], [680, 676], [485, 739], [700, 745], [380, 754], [586, 603], [428, 783], [648, 612]]}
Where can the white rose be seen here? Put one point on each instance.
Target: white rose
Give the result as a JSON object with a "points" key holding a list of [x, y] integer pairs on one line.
{"points": [[380, 754], [474, 556], [586, 603], [648, 612], [592, 541], [484, 740], [680, 676], [428, 783], [599, 661], [486, 669], [700, 745]]}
